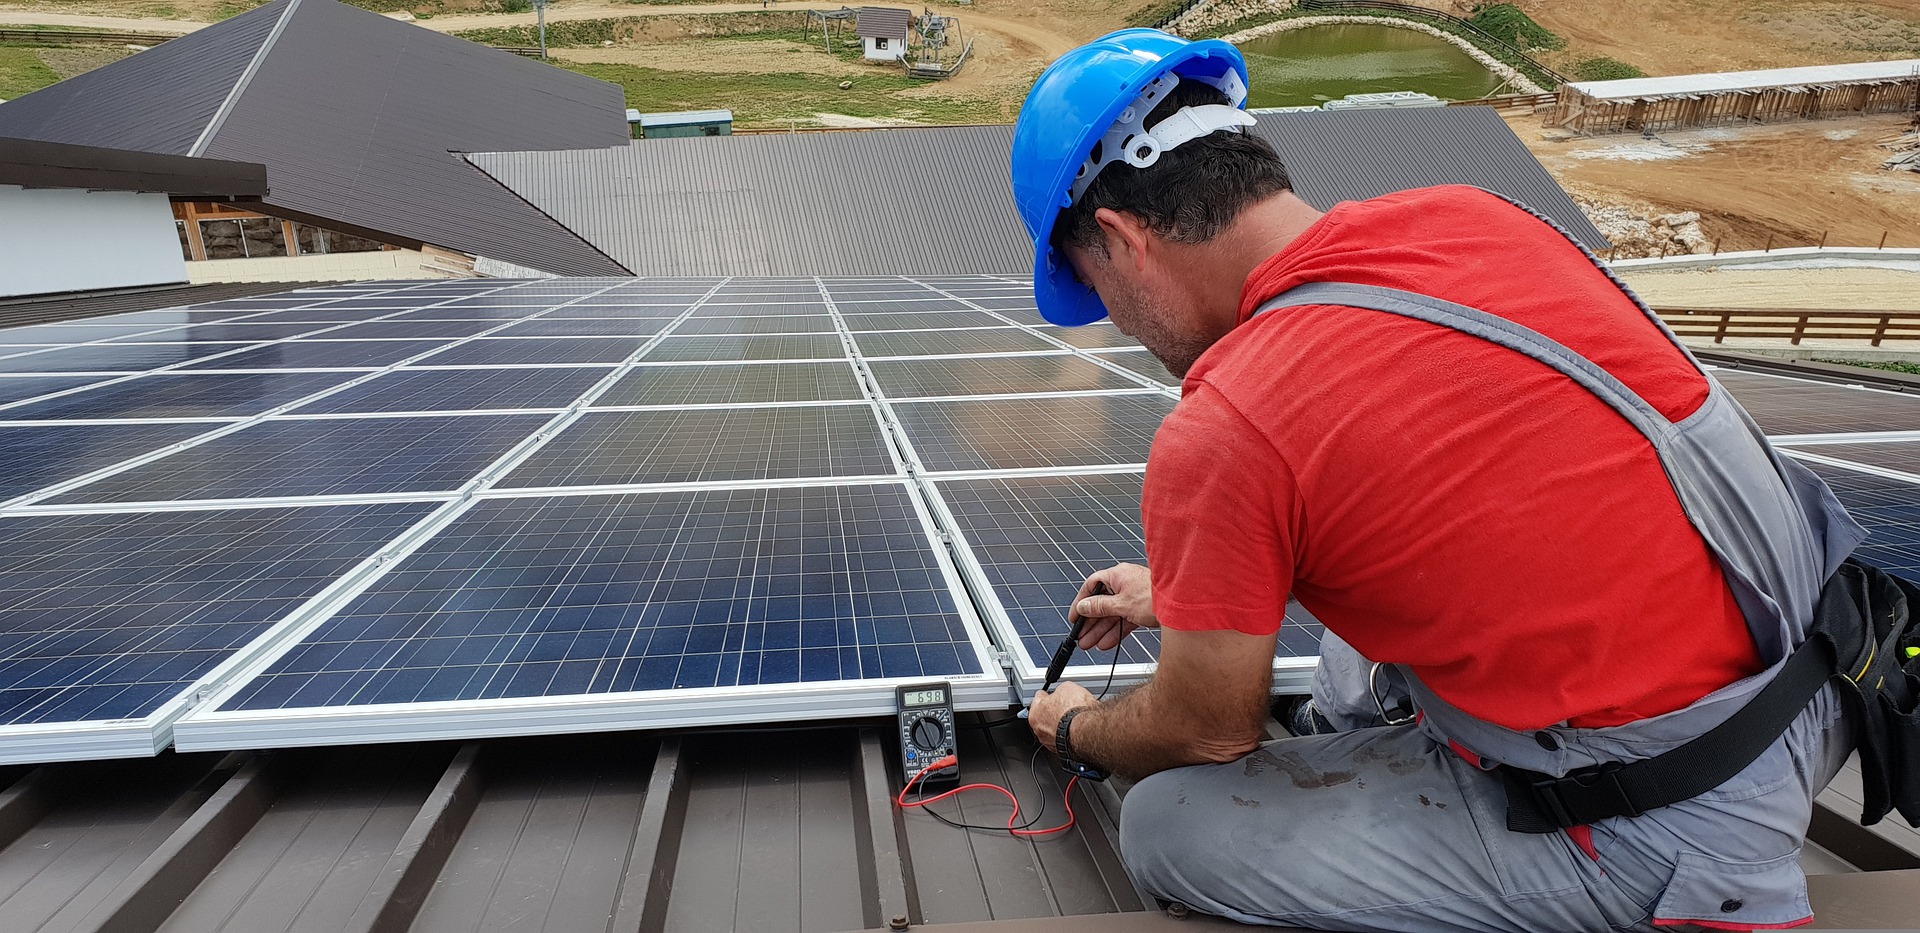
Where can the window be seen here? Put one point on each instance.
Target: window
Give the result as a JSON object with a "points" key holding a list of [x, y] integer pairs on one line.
{"points": [[243, 238], [880, 43]]}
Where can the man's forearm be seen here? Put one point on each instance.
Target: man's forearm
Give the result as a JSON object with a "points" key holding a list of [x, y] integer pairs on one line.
{"points": [[1134, 736]]}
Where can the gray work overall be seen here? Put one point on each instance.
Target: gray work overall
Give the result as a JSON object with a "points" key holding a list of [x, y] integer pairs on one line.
{"points": [[1387, 827]]}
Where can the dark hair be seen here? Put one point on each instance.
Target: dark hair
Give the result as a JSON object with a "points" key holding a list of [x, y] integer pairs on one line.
{"points": [[1191, 193]]}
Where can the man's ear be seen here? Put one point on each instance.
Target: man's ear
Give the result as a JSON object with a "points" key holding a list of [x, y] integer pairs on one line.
{"points": [[1126, 236]]}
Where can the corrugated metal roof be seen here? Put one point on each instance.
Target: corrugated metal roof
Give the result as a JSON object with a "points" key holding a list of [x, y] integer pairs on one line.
{"points": [[806, 204], [1852, 73], [751, 831], [883, 22], [357, 118]]}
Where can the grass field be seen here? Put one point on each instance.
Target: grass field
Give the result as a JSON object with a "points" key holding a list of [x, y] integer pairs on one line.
{"points": [[771, 100], [22, 72]]}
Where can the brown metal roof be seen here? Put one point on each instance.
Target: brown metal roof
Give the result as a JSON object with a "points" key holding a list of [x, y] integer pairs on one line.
{"points": [[883, 22], [762, 831], [806, 203], [36, 164], [358, 119]]}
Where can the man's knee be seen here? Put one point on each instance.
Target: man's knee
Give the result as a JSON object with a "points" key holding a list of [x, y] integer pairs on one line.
{"points": [[1151, 830]]}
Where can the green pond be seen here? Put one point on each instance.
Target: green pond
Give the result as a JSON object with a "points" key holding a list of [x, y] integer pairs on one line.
{"points": [[1309, 66]]}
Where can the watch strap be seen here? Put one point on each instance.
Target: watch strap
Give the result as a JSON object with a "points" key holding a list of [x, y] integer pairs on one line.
{"points": [[1062, 743]]}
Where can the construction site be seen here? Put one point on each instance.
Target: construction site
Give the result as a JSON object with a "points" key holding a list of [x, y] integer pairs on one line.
{"points": [[485, 465]]}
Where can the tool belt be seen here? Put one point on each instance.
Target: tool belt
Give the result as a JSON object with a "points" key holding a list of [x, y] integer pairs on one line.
{"points": [[1863, 639]]}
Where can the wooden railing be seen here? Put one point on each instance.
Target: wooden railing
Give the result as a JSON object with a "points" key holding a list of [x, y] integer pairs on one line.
{"points": [[1795, 324], [83, 37], [1523, 102]]}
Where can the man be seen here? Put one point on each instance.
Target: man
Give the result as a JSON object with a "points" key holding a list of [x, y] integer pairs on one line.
{"points": [[1516, 503]]}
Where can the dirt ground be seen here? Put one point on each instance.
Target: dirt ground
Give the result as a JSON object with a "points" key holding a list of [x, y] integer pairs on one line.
{"points": [[1664, 37], [1792, 182]]}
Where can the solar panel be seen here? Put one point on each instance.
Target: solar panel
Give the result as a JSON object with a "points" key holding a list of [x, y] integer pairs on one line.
{"points": [[244, 331], [333, 456], [993, 375], [462, 389], [19, 388], [108, 620], [606, 612], [1091, 336], [768, 324], [1029, 433], [694, 349], [491, 351], [181, 395], [1783, 405], [320, 354], [710, 445], [1890, 511], [1033, 540], [926, 320], [741, 384], [64, 334], [1144, 363], [1896, 455], [42, 455], [590, 327], [408, 330], [937, 343], [112, 358]]}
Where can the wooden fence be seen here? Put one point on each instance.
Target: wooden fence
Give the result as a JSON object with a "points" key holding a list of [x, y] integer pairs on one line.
{"points": [[1583, 114], [1526, 103], [1795, 324], [83, 37]]}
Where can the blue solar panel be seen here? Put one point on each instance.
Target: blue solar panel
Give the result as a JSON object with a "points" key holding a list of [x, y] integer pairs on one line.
{"points": [[993, 375], [1890, 511], [734, 384], [18, 388], [321, 354], [459, 312], [693, 349], [408, 330], [1144, 363], [939, 342], [327, 456], [1798, 406], [1092, 336], [708, 445], [185, 395], [567, 596], [1024, 433], [528, 350], [588, 327], [109, 616], [935, 320], [112, 358], [63, 334], [1037, 538], [1891, 455], [463, 389], [40, 456], [232, 332]]}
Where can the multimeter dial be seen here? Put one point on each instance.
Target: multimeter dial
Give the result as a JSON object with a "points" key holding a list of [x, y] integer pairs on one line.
{"points": [[928, 734]]}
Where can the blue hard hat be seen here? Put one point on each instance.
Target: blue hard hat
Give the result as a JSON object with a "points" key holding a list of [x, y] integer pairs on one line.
{"points": [[1073, 105]]}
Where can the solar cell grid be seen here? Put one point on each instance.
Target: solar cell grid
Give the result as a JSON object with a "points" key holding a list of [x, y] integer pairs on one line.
{"points": [[735, 384], [462, 389], [771, 324], [736, 309], [340, 456], [573, 596], [409, 330], [589, 327], [501, 351], [320, 354], [42, 455], [1144, 363], [709, 445], [1890, 511], [112, 358], [1796, 406], [164, 317], [674, 349], [110, 616], [64, 334], [184, 395], [1029, 433], [1091, 336], [461, 313], [320, 316], [1892, 455], [658, 314], [993, 375], [931, 320], [933, 342], [19, 388]]}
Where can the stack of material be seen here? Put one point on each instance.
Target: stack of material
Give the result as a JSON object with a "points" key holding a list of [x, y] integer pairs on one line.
{"points": [[1390, 100], [1906, 151]]}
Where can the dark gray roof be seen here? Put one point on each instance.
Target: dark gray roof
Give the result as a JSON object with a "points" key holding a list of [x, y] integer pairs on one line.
{"points": [[35, 164], [806, 204], [883, 22], [356, 117]]}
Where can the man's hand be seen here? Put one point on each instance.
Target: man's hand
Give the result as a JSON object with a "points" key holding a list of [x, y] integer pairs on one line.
{"points": [[1044, 716], [1127, 605]]}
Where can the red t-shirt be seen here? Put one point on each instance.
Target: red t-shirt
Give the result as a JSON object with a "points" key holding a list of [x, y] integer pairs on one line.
{"points": [[1437, 500]]}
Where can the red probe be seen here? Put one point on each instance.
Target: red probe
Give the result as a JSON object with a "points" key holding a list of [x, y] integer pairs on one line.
{"points": [[952, 760]]}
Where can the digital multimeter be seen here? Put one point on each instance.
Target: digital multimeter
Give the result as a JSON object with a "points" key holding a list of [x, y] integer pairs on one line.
{"points": [[926, 731]]}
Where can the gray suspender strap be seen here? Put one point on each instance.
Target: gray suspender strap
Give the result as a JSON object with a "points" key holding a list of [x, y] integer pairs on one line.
{"points": [[1539, 803]]}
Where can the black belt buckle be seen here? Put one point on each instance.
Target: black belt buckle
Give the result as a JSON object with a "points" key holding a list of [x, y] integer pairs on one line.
{"points": [[1599, 790]]}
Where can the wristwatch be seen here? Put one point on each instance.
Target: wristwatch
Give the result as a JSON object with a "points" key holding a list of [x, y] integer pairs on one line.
{"points": [[1063, 746]]}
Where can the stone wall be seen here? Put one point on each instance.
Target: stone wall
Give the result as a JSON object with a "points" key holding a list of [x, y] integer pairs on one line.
{"points": [[1517, 83], [1214, 13]]}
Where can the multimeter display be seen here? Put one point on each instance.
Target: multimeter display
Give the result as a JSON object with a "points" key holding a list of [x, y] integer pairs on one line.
{"points": [[926, 731], [923, 698]]}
